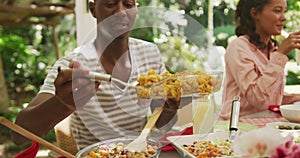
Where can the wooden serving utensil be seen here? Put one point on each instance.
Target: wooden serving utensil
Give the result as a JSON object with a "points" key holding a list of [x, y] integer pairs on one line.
{"points": [[34, 137], [140, 143]]}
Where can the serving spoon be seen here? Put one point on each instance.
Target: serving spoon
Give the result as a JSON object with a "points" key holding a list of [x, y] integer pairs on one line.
{"points": [[109, 78], [100, 77], [140, 143]]}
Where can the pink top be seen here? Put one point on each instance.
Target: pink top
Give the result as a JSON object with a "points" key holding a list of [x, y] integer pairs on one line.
{"points": [[259, 81]]}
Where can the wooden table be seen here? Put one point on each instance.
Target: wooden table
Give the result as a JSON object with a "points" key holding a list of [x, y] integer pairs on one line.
{"points": [[221, 126], [169, 154]]}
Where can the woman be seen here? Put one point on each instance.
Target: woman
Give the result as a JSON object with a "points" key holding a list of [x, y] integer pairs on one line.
{"points": [[254, 61]]}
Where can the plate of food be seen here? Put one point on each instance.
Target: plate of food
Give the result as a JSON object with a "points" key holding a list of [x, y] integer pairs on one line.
{"points": [[287, 129], [285, 126], [211, 145]]}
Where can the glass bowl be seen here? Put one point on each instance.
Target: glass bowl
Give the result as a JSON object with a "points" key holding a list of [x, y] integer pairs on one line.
{"points": [[184, 84], [217, 79], [84, 153]]}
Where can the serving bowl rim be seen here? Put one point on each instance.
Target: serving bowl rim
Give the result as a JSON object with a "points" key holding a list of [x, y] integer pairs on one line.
{"points": [[116, 140], [290, 106]]}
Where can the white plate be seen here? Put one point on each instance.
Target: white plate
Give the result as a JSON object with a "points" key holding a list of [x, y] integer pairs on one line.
{"points": [[297, 103], [179, 141], [289, 124], [286, 132]]}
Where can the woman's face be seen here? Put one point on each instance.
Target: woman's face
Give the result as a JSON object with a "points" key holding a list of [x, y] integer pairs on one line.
{"points": [[270, 20]]}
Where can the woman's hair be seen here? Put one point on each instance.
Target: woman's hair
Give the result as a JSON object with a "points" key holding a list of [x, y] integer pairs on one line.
{"points": [[245, 23]]}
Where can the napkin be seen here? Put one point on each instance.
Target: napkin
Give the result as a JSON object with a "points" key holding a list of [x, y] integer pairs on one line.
{"points": [[29, 152], [32, 151], [169, 145], [275, 108]]}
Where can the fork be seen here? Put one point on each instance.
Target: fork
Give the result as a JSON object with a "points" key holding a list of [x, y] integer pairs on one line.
{"points": [[140, 143]]}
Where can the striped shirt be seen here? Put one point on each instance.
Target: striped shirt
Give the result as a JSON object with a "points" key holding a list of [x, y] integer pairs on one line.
{"points": [[112, 112]]}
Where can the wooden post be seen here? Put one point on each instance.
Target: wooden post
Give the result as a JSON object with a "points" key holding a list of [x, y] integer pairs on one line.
{"points": [[55, 41], [4, 100]]}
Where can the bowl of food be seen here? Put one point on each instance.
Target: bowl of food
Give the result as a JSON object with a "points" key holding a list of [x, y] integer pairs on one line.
{"points": [[216, 79], [180, 84], [291, 112], [115, 148]]}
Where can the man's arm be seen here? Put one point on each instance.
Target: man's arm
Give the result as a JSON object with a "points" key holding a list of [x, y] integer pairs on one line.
{"points": [[42, 114]]}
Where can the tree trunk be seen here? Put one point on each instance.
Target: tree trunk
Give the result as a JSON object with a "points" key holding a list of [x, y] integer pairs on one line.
{"points": [[210, 22], [4, 101]]}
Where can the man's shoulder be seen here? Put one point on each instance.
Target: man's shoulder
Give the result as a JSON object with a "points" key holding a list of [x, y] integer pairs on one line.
{"points": [[87, 50], [84, 47], [140, 42]]}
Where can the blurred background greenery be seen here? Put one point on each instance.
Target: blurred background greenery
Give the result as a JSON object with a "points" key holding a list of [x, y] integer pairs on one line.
{"points": [[28, 49]]}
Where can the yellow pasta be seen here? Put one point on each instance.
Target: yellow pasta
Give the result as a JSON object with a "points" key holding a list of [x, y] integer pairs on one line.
{"points": [[174, 85]]}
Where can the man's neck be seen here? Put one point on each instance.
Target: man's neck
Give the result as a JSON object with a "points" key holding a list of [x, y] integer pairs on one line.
{"points": [[114, 49], [116, 53]]}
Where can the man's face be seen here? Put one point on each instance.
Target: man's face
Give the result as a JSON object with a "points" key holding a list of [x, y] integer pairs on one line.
{"points": [[116, 16]]}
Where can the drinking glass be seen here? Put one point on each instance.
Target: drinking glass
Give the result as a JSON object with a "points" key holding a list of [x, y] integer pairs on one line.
{"points": [[203, 111]]}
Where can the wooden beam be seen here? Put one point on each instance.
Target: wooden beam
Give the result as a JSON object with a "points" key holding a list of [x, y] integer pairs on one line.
{"points": [[28, 22], [35, 11], [65, 5]]}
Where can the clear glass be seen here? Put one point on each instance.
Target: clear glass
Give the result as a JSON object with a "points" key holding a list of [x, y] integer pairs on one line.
{"points": [[203, 110]]}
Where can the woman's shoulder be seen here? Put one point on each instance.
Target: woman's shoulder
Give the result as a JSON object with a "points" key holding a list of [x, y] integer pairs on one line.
{"points": [[240, 47], [241, 40]]}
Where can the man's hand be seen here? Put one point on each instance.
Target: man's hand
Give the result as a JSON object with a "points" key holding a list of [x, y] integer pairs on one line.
{"points": [[73, 88]]}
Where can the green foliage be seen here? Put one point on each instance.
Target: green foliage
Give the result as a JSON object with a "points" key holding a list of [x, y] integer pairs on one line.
{"points": [[50, 136], [178, 55], [143, 33], [66, 31], [222, 33], [143, 2], [10, 147], [27, 51], [293, 5], [292, 78], [24, 66], [223, 14]]}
